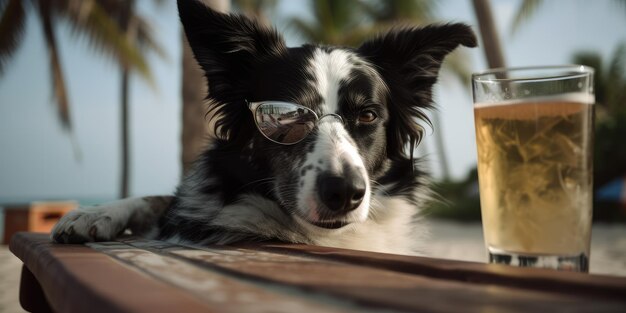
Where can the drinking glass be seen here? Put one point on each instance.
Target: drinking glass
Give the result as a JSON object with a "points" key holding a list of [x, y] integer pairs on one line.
{"points": [[534, 133]]}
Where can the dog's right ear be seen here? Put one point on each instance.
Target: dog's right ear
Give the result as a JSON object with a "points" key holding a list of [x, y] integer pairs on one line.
{"points": [[226, 46], [409, 60]]}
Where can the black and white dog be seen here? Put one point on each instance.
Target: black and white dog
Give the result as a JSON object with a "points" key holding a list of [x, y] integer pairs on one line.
{"points": [[314, 142]]}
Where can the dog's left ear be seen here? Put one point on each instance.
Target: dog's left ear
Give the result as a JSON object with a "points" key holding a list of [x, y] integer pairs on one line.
{"points": [[409, 60], [227, 46]]}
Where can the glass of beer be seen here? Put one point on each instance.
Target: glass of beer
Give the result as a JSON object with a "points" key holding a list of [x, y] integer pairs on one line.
{"points": [[534, 133]]}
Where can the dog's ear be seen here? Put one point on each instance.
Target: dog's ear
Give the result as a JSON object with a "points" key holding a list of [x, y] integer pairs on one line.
{"points": [[409, 60], [227, 46]]}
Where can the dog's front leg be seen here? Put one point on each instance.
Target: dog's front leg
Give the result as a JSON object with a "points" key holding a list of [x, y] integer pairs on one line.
{"points": [[107, 221]]}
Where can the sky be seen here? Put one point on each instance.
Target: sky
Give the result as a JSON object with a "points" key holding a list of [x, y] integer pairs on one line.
{"points": [[38, 161]]}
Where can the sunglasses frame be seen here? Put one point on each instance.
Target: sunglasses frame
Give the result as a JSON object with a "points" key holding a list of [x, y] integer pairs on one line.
{"points": [[253, 106]]}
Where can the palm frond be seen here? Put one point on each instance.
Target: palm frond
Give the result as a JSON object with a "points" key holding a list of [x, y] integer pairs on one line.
{"points": [[90, 21], [58, 81], [355, 36], [394, 11], [335, 22], [526, 10], [146, 40], [324, 16], [12, 19]]}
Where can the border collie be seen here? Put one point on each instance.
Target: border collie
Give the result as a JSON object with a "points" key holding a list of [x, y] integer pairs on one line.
{"points": [[311, 142]]}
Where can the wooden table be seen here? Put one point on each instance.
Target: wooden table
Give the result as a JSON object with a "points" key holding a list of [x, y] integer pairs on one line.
{"points": [[135, 275]]}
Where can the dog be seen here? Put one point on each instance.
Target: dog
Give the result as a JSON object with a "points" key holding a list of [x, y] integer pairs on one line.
{"points": [[311, 142]]}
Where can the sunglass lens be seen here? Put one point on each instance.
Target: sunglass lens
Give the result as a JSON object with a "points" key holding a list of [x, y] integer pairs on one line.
{"points": [[283, 122]]}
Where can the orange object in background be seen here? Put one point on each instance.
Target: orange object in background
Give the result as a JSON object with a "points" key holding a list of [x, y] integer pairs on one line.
{"points": [[39, 216]]}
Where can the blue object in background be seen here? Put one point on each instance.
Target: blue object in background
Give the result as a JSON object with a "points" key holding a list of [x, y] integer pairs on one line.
{"points": [[614, 191]]}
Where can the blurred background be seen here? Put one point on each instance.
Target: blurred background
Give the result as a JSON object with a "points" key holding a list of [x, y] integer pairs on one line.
{"points": [[93, 108]]}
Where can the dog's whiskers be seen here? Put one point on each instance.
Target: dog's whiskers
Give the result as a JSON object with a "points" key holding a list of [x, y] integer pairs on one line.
{"points": [[375, 208], [380, 188]]}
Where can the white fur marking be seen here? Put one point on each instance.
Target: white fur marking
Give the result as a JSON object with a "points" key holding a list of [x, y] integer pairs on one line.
{"points": [[334, 146], [329, 69]]}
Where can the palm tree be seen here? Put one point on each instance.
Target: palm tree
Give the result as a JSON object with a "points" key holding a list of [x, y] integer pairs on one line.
{"points": [[129, 33], [135, 30], [88, 18], [110, 26]]}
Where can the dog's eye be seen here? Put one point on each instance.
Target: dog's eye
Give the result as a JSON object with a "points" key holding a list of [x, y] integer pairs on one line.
{"points": [[367, 116]]}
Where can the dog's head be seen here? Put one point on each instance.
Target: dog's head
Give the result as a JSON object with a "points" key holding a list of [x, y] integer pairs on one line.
{"points": [[359, 107]]}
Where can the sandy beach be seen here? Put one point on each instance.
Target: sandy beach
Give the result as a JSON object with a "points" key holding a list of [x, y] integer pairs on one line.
{"points": [[450, 240]]}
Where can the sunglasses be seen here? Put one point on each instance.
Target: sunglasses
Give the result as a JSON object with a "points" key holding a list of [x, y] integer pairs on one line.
{"points": [[283, 122]]}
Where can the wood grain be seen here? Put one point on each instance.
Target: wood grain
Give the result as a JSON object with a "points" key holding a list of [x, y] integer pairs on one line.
{"points": [[602, 286], [222, 292], [375, 287], [76, 278], [136, 275]]}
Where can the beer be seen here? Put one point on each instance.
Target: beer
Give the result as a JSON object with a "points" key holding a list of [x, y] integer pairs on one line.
{"points": [[535, 171]]}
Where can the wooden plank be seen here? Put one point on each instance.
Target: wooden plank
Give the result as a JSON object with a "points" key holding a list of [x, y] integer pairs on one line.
{"points": [[587, 285], [223, 293], [76, 278], [376, 287]]}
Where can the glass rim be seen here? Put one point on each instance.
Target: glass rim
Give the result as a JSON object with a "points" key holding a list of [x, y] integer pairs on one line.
{"points": [[574, 70]]}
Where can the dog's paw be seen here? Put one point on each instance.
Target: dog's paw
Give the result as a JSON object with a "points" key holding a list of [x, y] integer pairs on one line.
{"points": [[87, 225]]}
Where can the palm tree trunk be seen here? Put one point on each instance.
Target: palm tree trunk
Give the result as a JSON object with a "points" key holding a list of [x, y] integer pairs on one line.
{"points": [[194, 90], [125, 175], [195, 132], [127, 28], [489, 33]]}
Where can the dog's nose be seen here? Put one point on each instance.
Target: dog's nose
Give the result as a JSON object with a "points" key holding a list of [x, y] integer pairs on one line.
{"points": [[341, 194]]}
